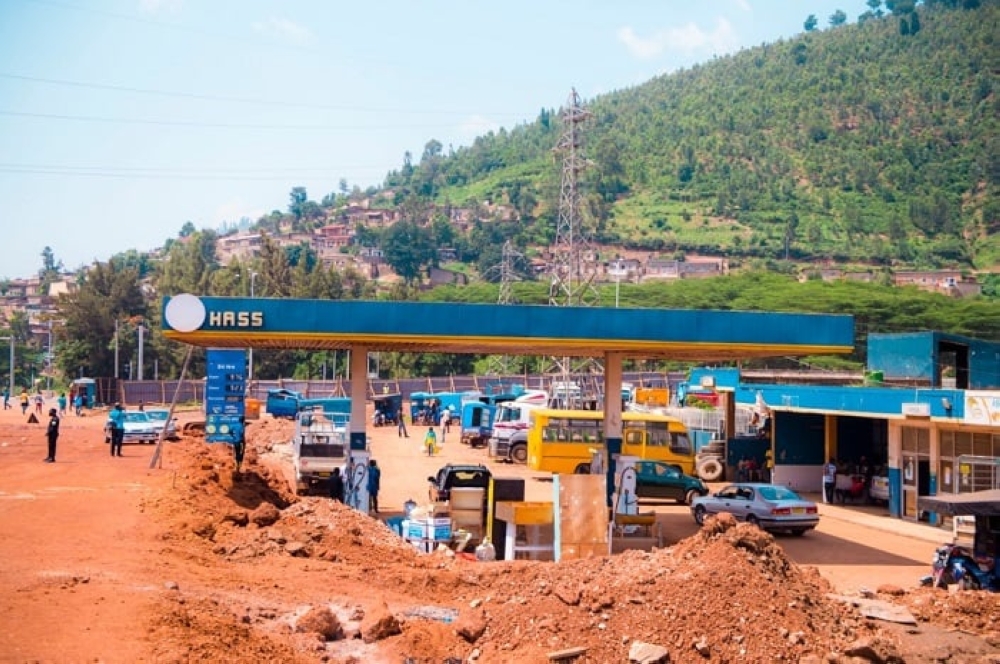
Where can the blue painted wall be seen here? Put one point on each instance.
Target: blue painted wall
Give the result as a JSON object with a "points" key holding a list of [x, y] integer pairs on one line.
{"points": [[799, 439]]}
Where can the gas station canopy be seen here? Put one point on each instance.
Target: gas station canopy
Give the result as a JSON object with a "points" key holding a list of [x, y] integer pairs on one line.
{"points": [[440, 327]]}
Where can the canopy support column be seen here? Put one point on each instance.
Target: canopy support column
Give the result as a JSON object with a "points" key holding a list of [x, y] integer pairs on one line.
{"points": [[359, 396], [612, 416]]}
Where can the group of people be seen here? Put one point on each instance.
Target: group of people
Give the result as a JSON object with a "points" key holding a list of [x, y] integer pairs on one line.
{"points": [[859, 474], [373, 482]]}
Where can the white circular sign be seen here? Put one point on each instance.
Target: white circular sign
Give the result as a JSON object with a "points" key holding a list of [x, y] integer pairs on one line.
{"points": [[185, 312]]}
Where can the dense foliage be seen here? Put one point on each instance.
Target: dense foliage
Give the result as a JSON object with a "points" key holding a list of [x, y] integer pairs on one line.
{"points": [[873, 145], [861, 143]]}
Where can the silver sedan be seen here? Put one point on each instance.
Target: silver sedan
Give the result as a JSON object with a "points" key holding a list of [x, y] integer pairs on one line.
{"points": [[768, 506]]}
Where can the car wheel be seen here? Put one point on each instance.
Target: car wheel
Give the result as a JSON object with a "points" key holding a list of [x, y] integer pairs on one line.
{"points": [[690, 496], [752, 520], [519, 453], [699, 515], [582, 469]]}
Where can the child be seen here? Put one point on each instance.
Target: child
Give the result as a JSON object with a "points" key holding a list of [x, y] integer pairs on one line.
{"points": [[430, 441]]}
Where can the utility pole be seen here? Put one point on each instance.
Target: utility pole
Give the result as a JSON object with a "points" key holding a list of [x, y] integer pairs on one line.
{"points": [[499, 364], [253, 277], [138, 369], [570, 283]]}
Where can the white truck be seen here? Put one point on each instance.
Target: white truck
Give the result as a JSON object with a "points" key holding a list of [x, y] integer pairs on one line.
{"points": [[320, 445], [509, 437]]}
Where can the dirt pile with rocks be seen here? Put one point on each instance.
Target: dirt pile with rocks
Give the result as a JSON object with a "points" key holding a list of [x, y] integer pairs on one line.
{"points": [[306, 579]]}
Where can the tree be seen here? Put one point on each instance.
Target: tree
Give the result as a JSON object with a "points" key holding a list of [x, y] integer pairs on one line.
{"points": [[187, 229], [189, 265], [409, 249], [876, 7], [105, 296], [811, 23], [50, 269], [838, 18], [297, 199]]}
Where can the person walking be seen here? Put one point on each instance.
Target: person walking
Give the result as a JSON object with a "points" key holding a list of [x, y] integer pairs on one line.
{"points": [[52, 435], [6, 398], [829, 480], [374, 483], [430, 441], [401, 431], [39, 402], [116, 419], [62, 403], [239, 441], [24, 402], [336, 485], [78, 403]]}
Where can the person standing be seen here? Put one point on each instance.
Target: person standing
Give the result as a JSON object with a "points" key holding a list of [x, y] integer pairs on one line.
{"points": [[336, 485], [430, 440], [374, 483], [6, 398], [239, 442], [116, 418], [829, 480], [62, 403], [24, 402], [401, 431], [78, 403], [52, 435], [39, 402]]}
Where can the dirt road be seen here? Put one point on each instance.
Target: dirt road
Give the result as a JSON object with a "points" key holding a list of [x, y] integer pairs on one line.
{"points": [[107, 560]]}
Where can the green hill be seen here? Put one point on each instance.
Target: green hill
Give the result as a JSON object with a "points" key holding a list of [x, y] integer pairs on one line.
{"points": [[857, 144]]}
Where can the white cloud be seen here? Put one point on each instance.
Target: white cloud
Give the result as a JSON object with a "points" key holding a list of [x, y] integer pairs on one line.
{"points": [[475, 126], [158, 6], [688, 39], [233, 211], [284, 28], [744, 5]]}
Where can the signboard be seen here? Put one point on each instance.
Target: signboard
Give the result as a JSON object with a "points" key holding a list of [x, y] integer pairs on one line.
{"points": [[225, 389], [982, 408], [917, 409]]}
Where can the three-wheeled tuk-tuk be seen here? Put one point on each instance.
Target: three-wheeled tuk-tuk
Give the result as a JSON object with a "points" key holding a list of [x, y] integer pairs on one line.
{"points": [[387, 409]]}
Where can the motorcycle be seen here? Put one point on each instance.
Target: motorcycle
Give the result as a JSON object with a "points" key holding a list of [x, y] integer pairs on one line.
{"points": [[953, 564]]}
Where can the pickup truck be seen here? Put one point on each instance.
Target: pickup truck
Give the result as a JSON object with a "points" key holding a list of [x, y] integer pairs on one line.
{"points": [[454, 476], [320, 445]]}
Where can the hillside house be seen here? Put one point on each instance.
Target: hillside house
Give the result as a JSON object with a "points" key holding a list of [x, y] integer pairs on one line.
{"points": [[946, 282]]}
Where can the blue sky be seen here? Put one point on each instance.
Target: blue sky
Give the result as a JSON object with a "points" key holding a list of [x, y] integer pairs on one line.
{"points": [[120, 120]]}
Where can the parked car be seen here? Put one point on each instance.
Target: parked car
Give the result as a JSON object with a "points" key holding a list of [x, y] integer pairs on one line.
{"points": [[768, 506], [454, 476], [163, 415], [658, 479], [139, 428], [879, 489]]}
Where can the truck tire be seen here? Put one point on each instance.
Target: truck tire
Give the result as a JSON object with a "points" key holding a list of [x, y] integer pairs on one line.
{"points": [[519, 453], [582, 469], [710, 469]]}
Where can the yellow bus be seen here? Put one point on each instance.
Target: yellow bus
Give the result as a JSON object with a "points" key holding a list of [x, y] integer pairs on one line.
{"points": [[560, 441]]}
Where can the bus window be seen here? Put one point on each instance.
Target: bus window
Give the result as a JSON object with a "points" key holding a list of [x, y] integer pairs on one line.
{"points": [[680, 444], [633, 437]]}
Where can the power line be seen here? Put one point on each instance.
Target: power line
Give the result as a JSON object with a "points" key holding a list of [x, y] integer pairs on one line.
{"points": [[211, 125], [245, 100]]}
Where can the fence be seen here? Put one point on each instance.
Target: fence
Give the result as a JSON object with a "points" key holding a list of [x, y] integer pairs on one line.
{"points": [[131, 392]]}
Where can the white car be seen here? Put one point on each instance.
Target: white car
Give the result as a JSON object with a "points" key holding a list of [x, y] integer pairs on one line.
{"points": [[162, 416], [139, 428]]}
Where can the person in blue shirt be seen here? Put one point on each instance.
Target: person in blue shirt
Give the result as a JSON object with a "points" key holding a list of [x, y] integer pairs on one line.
{"points": [[116, 419], [239, 442], [374, 483]]}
